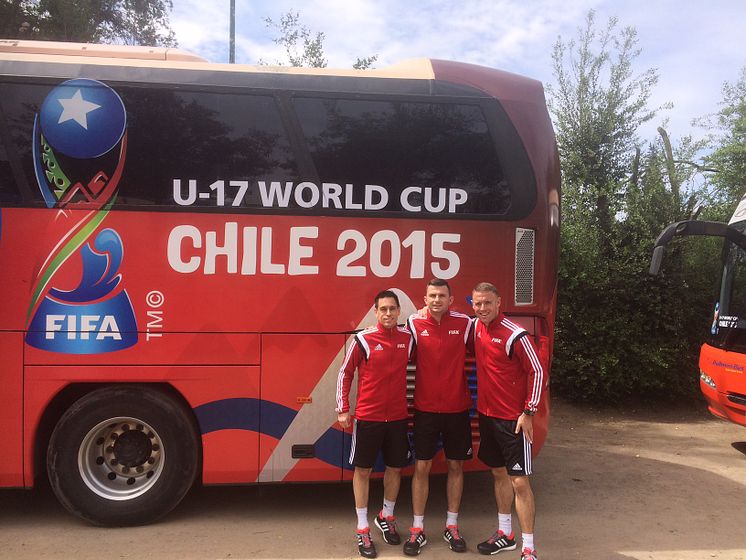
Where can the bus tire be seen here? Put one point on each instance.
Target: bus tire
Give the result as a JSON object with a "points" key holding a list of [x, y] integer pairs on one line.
{"points": [[123, 455]]}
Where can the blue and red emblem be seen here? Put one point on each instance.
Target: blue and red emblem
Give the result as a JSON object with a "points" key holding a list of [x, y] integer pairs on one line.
{"points": [[80, 144]]}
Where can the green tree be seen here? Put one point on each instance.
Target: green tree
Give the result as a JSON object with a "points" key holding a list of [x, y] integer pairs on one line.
{"points": [[302, 46], [143, 22], [619, 333], [18, 19], [728, 142], [598, 105], [132, 22]]}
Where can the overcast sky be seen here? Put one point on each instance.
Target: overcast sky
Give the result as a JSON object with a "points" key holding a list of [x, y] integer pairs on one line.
{"points": [[696, 45]]}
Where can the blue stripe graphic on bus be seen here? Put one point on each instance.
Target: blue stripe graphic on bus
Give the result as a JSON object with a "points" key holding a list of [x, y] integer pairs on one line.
{"points": [[333, 447], [228, 414], [273, 419], [328, 450]]}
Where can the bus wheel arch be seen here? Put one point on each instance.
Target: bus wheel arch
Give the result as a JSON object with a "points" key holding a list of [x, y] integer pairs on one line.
{"points": [[124, 454]]}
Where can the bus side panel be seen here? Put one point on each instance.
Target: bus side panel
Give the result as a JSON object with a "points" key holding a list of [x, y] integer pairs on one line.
{"points": [[227, 406], [225, 400], [299, 377], [11, 409]]}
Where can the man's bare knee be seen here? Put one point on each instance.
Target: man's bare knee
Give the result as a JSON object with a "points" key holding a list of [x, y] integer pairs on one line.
{"points": [[455, 467], [500, 473], [363, 473], [423, 467], [521, 485]]}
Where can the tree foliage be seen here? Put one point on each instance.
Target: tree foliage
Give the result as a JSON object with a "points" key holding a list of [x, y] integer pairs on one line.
{"points": [[131, 22], [728, 142], [302, 46], [598, 105], [621, 334]]}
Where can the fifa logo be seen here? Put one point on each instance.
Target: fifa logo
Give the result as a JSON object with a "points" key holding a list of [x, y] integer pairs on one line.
{"points": [[79, 149]]}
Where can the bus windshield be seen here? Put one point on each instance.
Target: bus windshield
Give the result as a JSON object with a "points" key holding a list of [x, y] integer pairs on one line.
{"points": [[729, 323]]}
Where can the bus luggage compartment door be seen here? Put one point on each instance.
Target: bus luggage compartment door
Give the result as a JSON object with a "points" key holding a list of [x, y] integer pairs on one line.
{"points": [[300, 439]]}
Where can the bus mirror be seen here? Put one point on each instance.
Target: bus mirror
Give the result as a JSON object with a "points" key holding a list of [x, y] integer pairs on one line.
{"points": [[655, 263]]}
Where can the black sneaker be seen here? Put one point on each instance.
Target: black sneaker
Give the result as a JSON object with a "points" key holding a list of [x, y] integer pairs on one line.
{"points": [[387, 525], [451, 536], [415, 542], [497, 543], [364, 545], [529, 554]]}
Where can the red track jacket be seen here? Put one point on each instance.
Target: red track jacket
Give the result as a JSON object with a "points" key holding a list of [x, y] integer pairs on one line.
{"points": [[380, 356], [440, 383], [509, 373]]}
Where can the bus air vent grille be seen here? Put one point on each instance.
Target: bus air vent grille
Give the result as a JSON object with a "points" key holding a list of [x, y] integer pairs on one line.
{"points": [[525, 240]]}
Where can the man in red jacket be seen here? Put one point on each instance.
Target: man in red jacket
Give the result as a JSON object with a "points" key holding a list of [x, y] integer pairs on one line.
{"points": [[509, 384], [441, 401], [380, 355]]}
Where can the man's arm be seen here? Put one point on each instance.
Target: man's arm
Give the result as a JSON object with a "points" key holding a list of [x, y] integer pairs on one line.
{"points": [[352, 359], [526, 353], [472, 326]]}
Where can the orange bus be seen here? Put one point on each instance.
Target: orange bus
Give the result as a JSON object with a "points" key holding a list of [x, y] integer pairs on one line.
{"points": [[186, 247], [722, 359]]}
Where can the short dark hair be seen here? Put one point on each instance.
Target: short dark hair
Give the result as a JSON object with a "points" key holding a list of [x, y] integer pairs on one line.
{"points": [[385, 294], [439, 282], [486, 287]]}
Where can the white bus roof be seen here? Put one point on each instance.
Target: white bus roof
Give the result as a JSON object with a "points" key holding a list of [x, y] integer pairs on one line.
{"points": [[95, 50], [166, 57]]}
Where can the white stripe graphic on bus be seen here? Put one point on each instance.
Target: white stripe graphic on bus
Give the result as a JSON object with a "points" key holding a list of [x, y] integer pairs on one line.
{"points": [[312, 421]]}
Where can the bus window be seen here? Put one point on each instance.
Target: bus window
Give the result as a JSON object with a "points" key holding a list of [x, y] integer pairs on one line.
{"points": [[9, 195], [401, 145], [174, 134], [203, 137]]}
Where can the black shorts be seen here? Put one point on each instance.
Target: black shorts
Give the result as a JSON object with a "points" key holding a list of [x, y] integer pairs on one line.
{"points": [[368, 438], [454, 428], [500, 446]]}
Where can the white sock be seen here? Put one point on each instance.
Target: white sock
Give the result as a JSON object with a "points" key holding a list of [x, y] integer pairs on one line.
{"points": [[528, 540], [505, 523], [388, 508], [419, 522], [362, 518], [451, 518]]}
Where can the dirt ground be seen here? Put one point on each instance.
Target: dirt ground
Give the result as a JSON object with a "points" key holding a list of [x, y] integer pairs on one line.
{"points": [[663, 485]]}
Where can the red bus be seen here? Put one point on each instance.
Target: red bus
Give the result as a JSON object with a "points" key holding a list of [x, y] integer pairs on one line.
{"points": [[186, 248], [722, 358]]}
